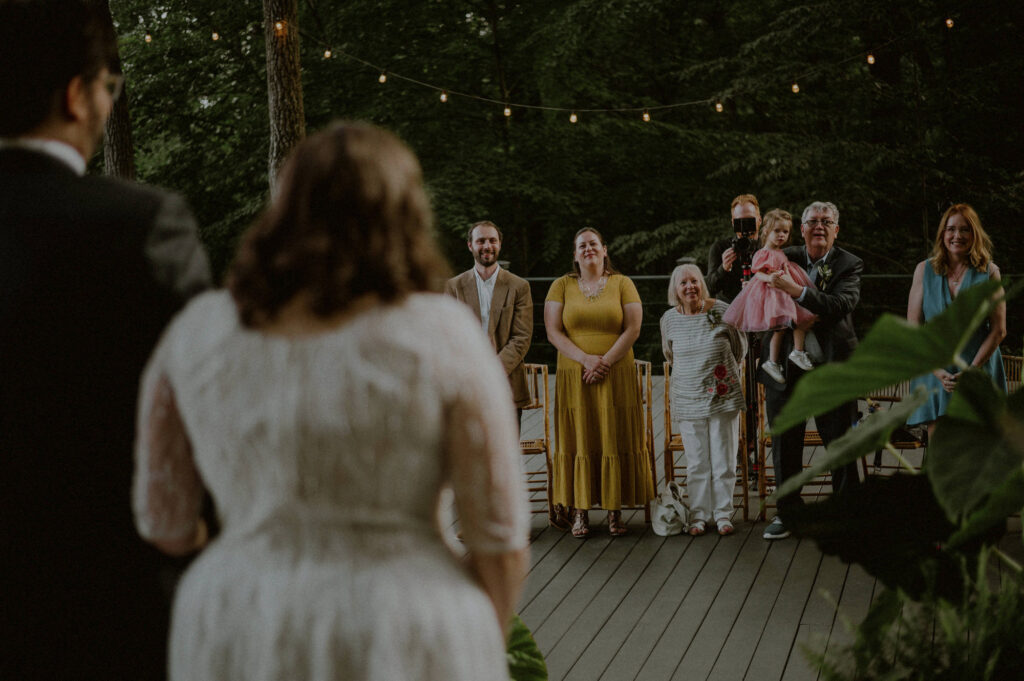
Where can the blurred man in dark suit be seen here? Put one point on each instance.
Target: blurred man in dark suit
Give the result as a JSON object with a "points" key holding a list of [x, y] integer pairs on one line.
{"points": [[91, 269]]}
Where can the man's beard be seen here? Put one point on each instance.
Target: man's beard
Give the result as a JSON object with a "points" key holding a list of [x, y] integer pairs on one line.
{"points": [[481, 257]]}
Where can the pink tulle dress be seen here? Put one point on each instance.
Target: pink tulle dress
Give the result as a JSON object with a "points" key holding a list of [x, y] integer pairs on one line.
{"points": [[760, 307]]}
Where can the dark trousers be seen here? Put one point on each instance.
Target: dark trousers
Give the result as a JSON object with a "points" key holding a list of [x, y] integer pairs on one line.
{"points": [[788, 448]]}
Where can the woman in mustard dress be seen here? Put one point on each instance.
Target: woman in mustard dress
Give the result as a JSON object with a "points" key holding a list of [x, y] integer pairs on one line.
{"points": [[592, 316]]}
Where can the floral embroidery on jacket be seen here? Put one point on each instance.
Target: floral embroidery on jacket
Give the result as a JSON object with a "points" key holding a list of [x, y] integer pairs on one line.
{"points": [[720, 383]]}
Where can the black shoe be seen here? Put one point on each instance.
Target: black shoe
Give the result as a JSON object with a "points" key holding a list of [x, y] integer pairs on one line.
{"points": [[775, 530]]}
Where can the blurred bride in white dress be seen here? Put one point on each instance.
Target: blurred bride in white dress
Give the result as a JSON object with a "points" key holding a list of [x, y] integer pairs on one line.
{"points": [[324, 400]]}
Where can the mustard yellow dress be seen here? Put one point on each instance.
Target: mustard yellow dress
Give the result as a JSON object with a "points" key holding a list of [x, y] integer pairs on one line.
{"points": [[599, 428]]}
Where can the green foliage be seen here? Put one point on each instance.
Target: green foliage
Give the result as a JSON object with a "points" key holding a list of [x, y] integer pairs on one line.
{"points": [[893, 351], [890, 144], [924, 536], [976, 450], [975, 637], [978, 420], [525, 661]]}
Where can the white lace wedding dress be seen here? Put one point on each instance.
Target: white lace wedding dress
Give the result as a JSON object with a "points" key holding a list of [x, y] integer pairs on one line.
{"points": [[325, 456]]}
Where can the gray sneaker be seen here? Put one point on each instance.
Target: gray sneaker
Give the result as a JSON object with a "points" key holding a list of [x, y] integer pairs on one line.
{"points": [[775, 530], [775, 371]]}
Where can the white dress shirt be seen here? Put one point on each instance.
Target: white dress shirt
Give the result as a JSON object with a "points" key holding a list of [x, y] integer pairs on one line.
{"points": [[485, 292]]}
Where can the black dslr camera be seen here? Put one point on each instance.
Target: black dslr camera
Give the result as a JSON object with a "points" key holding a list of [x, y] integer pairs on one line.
{"points": [[746, 243]]}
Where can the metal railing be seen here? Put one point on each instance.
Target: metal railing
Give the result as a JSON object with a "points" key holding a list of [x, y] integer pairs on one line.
{"points": [[880, 293]]}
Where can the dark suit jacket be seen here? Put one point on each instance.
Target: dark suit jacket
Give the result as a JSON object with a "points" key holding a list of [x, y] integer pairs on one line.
{"points": [[833, 300], [510, 325], [91, 269]]}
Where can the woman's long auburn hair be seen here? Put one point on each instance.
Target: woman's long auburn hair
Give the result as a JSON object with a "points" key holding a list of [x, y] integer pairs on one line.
{"points": [[350, 218], [981, 249]]}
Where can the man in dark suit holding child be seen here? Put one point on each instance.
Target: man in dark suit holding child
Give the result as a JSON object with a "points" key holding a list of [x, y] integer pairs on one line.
{"points": [[836, 277]]}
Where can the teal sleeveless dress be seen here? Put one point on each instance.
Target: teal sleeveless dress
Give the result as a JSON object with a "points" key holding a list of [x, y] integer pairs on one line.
{"points": [[936, 299]]}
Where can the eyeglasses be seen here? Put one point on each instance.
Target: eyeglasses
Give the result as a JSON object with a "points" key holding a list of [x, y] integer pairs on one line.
{"points": [[114, 83], [825, 222]]}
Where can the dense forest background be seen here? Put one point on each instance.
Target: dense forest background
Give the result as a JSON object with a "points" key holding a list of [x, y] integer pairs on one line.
{"points": [[935, 119]]}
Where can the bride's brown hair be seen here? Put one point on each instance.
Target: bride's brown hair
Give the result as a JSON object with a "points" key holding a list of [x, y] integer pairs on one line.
{"points": [[350, 218]]}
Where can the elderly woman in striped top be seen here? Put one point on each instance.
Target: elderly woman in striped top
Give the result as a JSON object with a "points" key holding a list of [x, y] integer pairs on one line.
{"points": [[707, 396]]}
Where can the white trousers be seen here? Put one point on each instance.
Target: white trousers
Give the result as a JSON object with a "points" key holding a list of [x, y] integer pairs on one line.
{"points": [[710, 447]]}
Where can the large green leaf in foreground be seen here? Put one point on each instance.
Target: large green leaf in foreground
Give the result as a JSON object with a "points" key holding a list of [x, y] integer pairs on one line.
{"points": [[893, 351], [870, 434], [977, 449], [525, 661]]}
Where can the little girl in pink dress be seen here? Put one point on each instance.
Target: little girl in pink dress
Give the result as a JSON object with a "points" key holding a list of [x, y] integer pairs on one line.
{"points": [[760, 307]]}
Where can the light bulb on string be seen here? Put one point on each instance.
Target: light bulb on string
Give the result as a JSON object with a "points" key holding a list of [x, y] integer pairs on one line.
{"points": [[215, 36], [572, 117], [508, 112], [444, 96], [279, 27], [148, 38], [327, 53], [795, 88], [871, 58], [646, 116], [718, 107], [949, 22], [383, 77]]}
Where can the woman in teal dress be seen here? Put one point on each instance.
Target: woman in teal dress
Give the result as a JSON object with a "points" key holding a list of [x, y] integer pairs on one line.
{"points": [[961, 258]]}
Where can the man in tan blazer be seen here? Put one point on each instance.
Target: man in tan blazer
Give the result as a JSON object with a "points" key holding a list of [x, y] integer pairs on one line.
{"points": [[501, 301]]}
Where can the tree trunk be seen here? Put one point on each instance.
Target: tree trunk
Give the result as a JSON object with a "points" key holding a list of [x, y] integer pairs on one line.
{"points": [[284, 81], [118, 148]]}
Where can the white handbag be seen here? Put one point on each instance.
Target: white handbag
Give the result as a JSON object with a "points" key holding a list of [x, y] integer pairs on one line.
{"points": [[669, 513]]}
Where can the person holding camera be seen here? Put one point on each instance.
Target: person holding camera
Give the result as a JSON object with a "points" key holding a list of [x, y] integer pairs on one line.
{"points": [[728, 257]]}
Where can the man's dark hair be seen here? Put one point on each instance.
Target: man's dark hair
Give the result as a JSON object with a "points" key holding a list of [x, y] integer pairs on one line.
{"points": [[483, 223], [44, 44]]}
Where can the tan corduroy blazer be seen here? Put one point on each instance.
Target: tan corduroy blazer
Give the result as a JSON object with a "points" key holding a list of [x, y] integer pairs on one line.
{"points": [[510, 326]]}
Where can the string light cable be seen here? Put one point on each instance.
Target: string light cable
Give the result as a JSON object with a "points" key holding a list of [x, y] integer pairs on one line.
{"points": [[444, 94]]}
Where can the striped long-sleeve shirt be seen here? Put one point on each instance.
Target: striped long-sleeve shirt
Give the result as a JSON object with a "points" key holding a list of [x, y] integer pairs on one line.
{"points": [[705, 353]]}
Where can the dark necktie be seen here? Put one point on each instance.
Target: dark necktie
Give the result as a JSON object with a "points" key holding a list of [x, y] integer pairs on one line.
{"points": [[812, 271]]}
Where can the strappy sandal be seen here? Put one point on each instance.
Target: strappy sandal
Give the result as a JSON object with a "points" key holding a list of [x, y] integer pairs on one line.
{"points": [[698, 528], [559, 517], [616, 528], [580, 523], [725, 528]]}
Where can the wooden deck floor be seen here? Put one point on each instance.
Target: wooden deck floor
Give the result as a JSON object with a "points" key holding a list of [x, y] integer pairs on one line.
{"points": [[655, 608]]}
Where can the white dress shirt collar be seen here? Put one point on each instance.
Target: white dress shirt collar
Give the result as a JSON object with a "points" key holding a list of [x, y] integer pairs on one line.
{"points": [[62, 151]]}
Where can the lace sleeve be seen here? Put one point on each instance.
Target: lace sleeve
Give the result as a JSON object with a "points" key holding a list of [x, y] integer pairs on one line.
{"points": [[167, 491], [481, 444]]}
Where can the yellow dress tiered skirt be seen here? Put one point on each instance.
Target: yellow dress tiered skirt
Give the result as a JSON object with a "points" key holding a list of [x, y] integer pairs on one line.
{"points": [[600, 455]]}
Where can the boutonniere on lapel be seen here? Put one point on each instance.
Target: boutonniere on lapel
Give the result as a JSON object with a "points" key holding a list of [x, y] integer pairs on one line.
{"points": [[714, 317], [824, 275]]}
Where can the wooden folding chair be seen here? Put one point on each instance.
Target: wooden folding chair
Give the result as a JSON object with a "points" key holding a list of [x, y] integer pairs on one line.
{"points": [[538, 474], [1012, 367], [675, 468], [646, 383], [902, 439]]}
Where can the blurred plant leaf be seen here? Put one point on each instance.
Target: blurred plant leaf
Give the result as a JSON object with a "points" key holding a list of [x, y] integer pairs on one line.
{"points": [[525, 661], [892, 526], [871, 434], [977, 447], [893, 351], [1004, 501]]}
